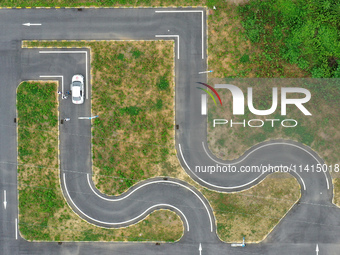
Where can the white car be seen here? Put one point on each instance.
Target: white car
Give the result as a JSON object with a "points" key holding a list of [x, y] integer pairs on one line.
{"points": [[77, 88]]}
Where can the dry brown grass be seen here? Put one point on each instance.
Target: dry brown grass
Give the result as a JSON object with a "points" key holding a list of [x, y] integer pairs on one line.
{"points": [[226, 42], [336, 191], [129, 148], [255, 212], [161, 225]]}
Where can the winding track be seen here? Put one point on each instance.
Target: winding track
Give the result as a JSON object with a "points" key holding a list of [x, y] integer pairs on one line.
{"points": [[314, 220]]}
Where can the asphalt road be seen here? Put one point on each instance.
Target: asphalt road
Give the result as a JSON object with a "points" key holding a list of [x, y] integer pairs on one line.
{"points": [[315, 220]]}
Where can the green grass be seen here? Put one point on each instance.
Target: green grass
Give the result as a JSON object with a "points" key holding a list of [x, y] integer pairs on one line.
{"points": [[303, 33], [37, 150], [35, 106]]}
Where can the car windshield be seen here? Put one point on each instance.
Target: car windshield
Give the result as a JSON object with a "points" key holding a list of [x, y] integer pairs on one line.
{"points": [[76, 83], [76, 98]]}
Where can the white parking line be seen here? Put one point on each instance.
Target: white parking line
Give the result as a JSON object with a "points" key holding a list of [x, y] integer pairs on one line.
{"points": [[56, 76], [123, 222], [87, 78], [5, 200], [202, 24], [177, 36], [210, 71], [16, 229]]}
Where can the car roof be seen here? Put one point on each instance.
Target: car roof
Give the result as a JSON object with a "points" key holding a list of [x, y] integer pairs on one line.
{"points": [[76, 91]]}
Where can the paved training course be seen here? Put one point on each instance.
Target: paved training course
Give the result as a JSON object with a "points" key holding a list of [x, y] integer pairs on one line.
{"points": [[315, 221]]}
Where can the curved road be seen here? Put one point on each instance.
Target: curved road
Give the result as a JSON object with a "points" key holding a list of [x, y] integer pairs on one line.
{"points": [[315, 220]]}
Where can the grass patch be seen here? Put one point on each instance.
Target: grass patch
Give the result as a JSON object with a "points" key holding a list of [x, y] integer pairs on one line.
{"points": [[253, 213], [44, 214], [336, 192], [137, 53], [163, 83], [302, 33]]}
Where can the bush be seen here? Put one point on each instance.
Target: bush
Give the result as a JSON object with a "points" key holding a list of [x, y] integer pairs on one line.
{"points": [[159, 104], [136, 53], [120, 56], [244, 58], [131, 110], [163, 83], [221, 142]]}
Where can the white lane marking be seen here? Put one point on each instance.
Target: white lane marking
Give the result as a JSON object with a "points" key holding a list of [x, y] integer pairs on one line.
{"points": [[177, 36], [16, 229], [5, 199], [304, 186], [123, 222], [202, 24], [204, 104], [202, 36], [148, 183], [265, 145], [31, 24], [71, 51], [205, 72], [216, 186], [88, 118], [56, 76]]}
